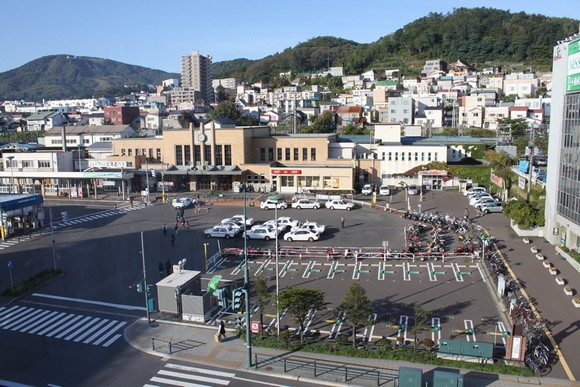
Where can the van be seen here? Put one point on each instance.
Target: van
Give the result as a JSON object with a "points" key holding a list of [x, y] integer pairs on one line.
{"points": [[384, 190], [367, 189]]}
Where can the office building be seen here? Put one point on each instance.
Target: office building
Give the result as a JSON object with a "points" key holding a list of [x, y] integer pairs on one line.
{"points": [[196, 75]]}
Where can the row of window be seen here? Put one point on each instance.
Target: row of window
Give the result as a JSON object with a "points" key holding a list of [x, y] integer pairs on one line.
{"points": [[287, 154], [27, 164], [308, 181], [142, 152], [222, 154], [394, 156]]}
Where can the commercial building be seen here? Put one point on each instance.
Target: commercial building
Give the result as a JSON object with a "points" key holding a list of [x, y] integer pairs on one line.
{"points": [[562, 209], [196, 74]]}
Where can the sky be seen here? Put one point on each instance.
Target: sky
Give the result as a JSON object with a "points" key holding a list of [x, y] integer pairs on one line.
{"points": [[155, 34]]}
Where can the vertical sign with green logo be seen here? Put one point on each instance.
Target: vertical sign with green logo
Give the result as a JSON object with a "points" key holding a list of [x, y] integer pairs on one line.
{"points": [[573, 74]]}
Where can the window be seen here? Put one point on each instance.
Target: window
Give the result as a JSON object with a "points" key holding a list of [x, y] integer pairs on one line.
{"points": [[422, 156], [429, 156], [178, 155], [304, 154], [312, 154], [435, 155], [402, 156], [129, 152], [187, 151], [26, 163], [296, 154], [196, 154], [228, 154], [278, 154], [262, 154], [396, 156], [308, 181], [158, 154], [43, 163], [416, 156], [409, 156], [207, 153], [270, 154], [390, 156], [122, 152], [286, 181], [287, 154], [217, 154]]}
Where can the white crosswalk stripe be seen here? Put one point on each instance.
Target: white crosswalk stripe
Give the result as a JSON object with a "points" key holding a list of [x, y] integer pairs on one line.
{"points": [[181, 375], [61, 325]]}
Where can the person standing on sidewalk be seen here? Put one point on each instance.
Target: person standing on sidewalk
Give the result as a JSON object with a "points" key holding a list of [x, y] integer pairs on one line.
{"points": [[172, 240], [342, 222], [164, 229], [160, 266]]}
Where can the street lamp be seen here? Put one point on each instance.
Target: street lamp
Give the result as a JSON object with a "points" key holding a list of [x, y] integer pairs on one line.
{"points": [[277, 200], [12, 173], [163, 190], [247, 284]]}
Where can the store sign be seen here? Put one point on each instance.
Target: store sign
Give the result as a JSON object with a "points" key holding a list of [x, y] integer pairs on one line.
{"points": [[107, 164], [496, 180], [286, 172], [573, 73]]}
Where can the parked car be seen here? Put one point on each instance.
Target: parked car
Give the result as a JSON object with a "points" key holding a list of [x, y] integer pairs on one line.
{"points": [[312, 226], [261, 232], [240, 219], [237, 226], [181, 202], [413, 190], [288, 222], [301, 235], [485, 200], [473, 190], [270, 204], [272, 224], [306, 203], [367, 189], [384, 190], [472, 199], [338, 204], [491, 207], [220, 232]]}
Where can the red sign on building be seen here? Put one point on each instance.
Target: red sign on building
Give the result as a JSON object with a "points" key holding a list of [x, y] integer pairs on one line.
{"points": [[286, 172]]}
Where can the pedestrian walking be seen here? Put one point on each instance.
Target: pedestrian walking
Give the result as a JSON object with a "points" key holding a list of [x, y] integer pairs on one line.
{"points": [[172, 240], [168, 267], [342, 222], [131, 201], [176, 228], [160, 266], [466, 214], [164, 229], [221, 333], [115, 207]]}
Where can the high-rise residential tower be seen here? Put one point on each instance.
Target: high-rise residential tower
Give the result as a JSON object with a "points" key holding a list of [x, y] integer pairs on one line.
{"points": [[196, 74]]}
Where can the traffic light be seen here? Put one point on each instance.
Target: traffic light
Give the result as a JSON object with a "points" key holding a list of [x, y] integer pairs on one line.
{"points": [[238, 298], [223, 299], [139, 287]]}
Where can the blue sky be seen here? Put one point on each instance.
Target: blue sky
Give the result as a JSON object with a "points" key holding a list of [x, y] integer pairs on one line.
{"points": [[156, 34]]}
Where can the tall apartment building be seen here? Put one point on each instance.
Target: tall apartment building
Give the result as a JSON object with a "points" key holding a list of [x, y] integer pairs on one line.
{"points": [[562, 211], [196, 74]]}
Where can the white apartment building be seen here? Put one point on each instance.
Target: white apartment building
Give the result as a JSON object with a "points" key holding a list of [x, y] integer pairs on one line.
{"points": [[196, 74], [520, 84], [494, 113]]}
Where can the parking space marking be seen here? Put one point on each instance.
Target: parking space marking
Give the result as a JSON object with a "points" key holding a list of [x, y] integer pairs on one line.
{"points": [[237, 269], [262, 267], [288, 267], [469, 328], [356, 271], [331, 270], [480, 272], [403, 326], [457, 272], [309, 318], [216, 265], [500, 327], [432, 272], [406, 271], [370, 328], [308, 269], [436, 329], [335, 330]]}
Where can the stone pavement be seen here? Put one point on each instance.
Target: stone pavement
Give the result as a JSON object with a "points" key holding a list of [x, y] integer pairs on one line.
{"points": [[195, 343]]}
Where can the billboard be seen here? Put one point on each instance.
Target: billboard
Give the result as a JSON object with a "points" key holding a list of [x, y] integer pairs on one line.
{"points": [[573, 72]]}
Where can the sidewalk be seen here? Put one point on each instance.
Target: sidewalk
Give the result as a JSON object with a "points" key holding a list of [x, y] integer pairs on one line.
{"points": [[196, 344]]}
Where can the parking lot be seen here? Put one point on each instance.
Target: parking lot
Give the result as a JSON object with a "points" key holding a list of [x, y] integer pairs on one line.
{"points": [[454, 291]]}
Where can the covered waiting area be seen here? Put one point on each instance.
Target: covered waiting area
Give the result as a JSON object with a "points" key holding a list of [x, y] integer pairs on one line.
{"points": [[20, 213]]}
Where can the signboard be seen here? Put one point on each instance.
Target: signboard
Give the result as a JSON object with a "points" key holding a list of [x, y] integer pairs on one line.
{"points": [[573, 73], [521, 182], [495, 179], [107, 164], [254, 326], [286, 172], [516, 348]]}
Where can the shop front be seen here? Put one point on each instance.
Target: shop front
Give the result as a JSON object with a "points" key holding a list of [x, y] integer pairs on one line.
{"points": [[311, 179], [20, 214]]}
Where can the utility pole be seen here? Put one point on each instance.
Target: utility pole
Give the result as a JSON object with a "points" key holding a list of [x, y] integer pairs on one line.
{"points": [[145, 289]]}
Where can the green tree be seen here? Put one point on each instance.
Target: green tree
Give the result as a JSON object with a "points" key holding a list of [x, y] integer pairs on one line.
{"points": [[421, 316], [184, 119], [357, 307], [324, 123], [262, 299], [299, 302], [225, 110], [221, 94]]}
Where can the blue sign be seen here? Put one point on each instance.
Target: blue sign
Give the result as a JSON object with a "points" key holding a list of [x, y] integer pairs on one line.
{"points": [[9, 263]]}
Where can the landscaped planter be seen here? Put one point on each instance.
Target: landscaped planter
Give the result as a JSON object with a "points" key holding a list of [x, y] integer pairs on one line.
{"points": [[560, 281], [534, 249], [547, 264], [568, 291], [540, 257], [576, 302]]}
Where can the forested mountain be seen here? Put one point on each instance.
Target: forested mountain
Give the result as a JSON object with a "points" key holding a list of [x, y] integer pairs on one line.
{"points": [[477, 35], [67, 76]]}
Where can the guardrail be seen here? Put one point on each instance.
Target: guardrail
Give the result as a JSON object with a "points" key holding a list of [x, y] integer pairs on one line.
{"points": [[322, 369]]}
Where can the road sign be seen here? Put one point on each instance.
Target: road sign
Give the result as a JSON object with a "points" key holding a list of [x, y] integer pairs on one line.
{"points": [[254, 326], [9, 263]]}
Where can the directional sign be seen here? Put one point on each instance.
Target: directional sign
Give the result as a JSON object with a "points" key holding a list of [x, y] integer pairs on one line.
{"points": [[254, 326]]}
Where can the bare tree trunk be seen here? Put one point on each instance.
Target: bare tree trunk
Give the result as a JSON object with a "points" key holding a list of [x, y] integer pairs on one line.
{"points": [[353, 328]]}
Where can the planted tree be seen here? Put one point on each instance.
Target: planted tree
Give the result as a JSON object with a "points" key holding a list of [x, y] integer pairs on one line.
{"points": [[421, 316], [262, 299], [299, 302], [357, 307]]}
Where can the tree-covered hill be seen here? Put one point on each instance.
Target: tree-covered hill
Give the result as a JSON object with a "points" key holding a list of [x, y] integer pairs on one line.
{"points": [[67, 76]]}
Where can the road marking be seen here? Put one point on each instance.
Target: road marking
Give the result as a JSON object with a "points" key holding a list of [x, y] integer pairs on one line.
{"points": [[406, 271], [81, 300], [436, 331], [403, 322], [356, 271], [432, 272], [468, 324], [373, 318], [480, 272], [331, 270], [457, 272], [335, 330]]}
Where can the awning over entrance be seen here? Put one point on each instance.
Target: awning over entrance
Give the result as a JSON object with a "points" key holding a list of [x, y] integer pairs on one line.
{"points": [[13, 202]]}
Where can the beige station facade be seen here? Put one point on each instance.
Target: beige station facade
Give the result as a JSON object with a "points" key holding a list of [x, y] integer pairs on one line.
{"points": [[218, 155]]}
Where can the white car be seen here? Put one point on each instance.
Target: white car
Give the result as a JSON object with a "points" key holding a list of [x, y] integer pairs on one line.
{"points": [[306, 203], [482, 201], [476, 200], [312, 226], [288, 222], [474, 190], [272, 224], [338, 204], [413, 190], [301, 235], [239, 219], [367, 189], [237, 226], [269, 204], [181, 202], [260, 232], [491, 207], [384, 190], [220, 232]]}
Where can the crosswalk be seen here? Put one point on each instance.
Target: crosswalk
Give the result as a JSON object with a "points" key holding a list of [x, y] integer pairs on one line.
{"points": [[71, 222], [75, 328], [173, 374]]}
